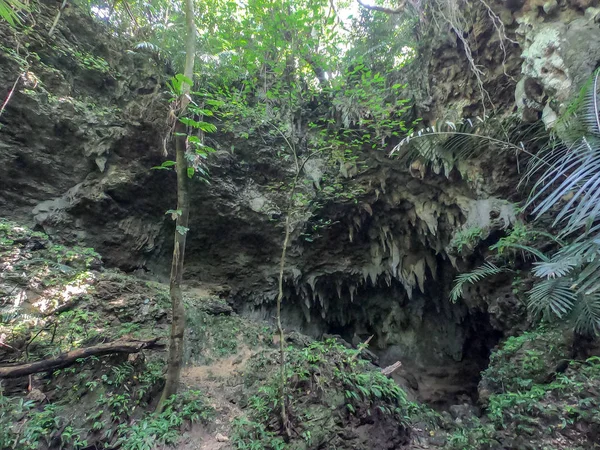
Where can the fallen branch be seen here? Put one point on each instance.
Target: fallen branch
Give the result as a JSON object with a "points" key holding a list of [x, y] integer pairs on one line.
{"points": [[390, 369], [361, 347], [69, 358]]}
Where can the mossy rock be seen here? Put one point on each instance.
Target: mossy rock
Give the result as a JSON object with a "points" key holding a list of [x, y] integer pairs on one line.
{"points": [[522, 361]]}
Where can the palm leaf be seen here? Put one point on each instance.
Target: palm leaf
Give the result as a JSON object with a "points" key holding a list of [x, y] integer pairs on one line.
{"points": [[571, 172], [525, 248], [446, 143], [552, 297], [476, 275], [588, 282], [591, 108], [587, 315], [555, 268]]}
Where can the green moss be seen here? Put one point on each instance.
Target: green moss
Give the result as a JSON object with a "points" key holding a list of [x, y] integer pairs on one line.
{"points": [[525, 360]]}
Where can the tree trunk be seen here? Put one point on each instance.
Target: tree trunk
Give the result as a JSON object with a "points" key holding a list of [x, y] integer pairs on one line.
{"points": [[284, 419], [175, 359], [69, 358], [299, 167]]}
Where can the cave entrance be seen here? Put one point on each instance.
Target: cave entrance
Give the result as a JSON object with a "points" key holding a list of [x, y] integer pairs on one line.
{"points": [[443, 347]]}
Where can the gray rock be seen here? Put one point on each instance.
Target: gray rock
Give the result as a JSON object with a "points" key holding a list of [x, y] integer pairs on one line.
{"points": [[463, 411], [550, 7], [215, 307]]}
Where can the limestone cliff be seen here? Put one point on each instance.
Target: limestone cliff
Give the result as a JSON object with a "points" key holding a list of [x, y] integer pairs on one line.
{"points": [[87, 121]]}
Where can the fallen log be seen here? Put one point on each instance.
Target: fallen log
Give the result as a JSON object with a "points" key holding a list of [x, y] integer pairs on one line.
{"points": [[69, 358], [387, 371]]}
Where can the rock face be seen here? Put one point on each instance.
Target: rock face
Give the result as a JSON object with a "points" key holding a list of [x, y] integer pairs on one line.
{"points": [[79, 136], [559, 54], [78, 139]]}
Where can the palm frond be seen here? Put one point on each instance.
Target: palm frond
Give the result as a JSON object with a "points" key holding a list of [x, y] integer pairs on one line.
{"points": [[588, 281], [476, 275], [573, 180], [552, 297], [9, 10], [587, 315], [571, 172], [149, 46], [555, 268], [525, 248], [446, 143], [590, 109]]}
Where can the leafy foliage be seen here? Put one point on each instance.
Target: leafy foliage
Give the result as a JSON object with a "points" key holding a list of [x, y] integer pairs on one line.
{"points": [[446, 143], [566, 188], [564, 169], [9, 10], [163, 429], [467, 239], [322, 376], [486, 270]]}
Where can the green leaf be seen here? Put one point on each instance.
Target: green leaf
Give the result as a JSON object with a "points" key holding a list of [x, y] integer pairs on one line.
{"points": [[200, 111], [183, 79], [174, 213], [9, 10], [182, 230], [204, 126], [207, 127], [165, 165], [190, 172]]}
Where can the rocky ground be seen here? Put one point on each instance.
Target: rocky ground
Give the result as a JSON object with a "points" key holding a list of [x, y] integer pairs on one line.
{"points": [[55, 299]]}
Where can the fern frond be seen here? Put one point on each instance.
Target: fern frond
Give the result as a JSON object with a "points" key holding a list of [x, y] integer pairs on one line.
{"points": [[552, 297], [587, 315], [476, 275]]}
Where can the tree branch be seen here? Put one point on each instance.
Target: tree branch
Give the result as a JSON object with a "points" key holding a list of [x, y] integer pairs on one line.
{"points": [[382, 9], [69, 358]]}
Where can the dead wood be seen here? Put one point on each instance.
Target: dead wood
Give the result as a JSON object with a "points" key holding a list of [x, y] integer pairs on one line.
{"points": [[69, 358]]}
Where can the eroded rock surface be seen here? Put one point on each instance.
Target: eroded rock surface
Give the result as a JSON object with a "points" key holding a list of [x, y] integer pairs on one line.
{"points": [[379, 266]]}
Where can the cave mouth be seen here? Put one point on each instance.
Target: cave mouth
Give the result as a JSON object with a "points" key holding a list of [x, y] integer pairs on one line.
{"points": [[439, 384], [443, 347]]}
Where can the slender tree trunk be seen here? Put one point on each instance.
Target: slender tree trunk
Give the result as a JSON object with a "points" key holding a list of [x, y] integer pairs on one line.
{"points": [[284, 419], [299, 168], [175, 359]]}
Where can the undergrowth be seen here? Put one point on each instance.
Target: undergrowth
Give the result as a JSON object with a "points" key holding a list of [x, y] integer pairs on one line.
{"points": [[323, 380]]}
